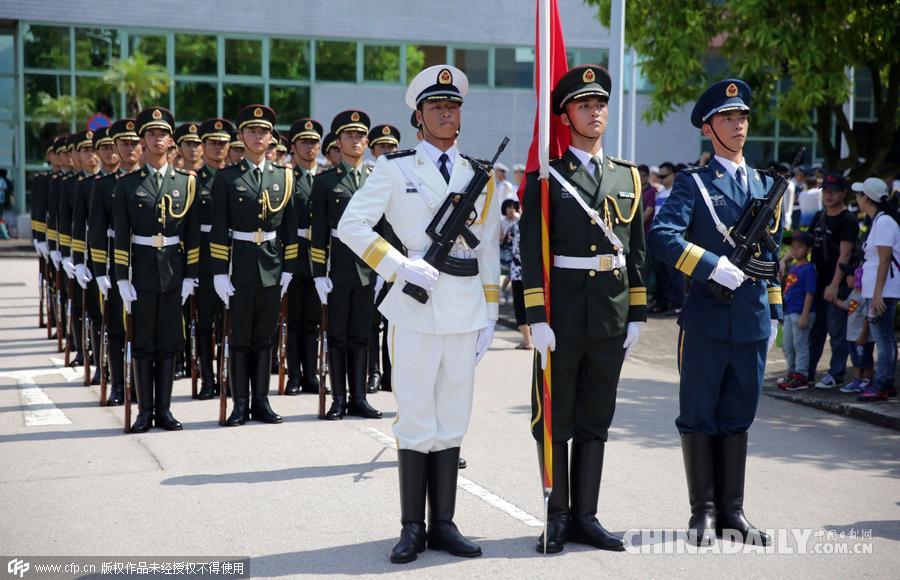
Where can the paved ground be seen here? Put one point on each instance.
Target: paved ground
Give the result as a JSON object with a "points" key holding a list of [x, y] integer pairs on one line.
{"points": [[314, 498]]}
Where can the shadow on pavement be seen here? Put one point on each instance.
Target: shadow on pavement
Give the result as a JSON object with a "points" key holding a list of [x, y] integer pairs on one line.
{"points": [[888, 529], [293, 473]]}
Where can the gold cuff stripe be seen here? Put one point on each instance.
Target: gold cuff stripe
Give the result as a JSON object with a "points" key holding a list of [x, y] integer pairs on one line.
{"points": [[121, 262], [375, 253], [637, 298], [492, 296], [219, 254], [318, 260], [534, 290], [775, 296], [534, 299], [215, 246], [191, 260], [689, 259]]}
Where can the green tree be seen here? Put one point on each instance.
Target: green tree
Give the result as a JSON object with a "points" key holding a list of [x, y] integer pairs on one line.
{"points": [[808, 43], [139, 80], [63, 110]]}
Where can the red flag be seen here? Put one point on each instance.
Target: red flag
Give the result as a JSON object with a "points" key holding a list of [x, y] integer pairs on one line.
{"points": [[559, 134]]}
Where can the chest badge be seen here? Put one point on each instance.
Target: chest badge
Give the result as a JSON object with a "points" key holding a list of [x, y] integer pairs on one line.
{"points": [[175, 193], [140, 193], [717, 200], [275, 187], [241, 188], [572, 167]]}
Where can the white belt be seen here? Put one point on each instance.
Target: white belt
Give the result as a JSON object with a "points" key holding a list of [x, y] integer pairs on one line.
{"points": [[257, 237], [601, 263], [157, 241], [334, 234], [110, 233], [303, 233], [205, 228], [454, 253]]}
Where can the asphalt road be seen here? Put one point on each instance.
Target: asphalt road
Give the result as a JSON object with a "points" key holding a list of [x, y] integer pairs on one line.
{"points": [[314, 498]]}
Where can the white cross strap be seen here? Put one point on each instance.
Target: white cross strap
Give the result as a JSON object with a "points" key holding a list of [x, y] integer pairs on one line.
{"points": [[594, 214], [704, 193]]}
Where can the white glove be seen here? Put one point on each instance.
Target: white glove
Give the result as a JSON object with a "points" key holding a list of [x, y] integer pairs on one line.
{"points": [[82, 275], [485, 338], [44, 249], [223, 287], [286, 278], [37, 247], [418, 272], [727, 274], [56, 257], [187, 288], [379, 284], [323, 287], [543, 339], [772, 335], [104, 284], [69, 267], [632, 333], [128, 294]]}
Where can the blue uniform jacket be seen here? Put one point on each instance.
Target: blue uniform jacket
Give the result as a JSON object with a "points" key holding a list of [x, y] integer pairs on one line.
{"points": [[685, 236]]}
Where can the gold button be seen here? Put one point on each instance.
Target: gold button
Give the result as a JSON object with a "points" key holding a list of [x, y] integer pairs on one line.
{"points": [[259, 215], [593, 223], [592, 273], [159, 220], [593, 247]]}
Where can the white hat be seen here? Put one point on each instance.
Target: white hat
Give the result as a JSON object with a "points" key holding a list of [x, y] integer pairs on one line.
{"points": [[873, 188], [501, 167], [441, 82], [518, 167]]}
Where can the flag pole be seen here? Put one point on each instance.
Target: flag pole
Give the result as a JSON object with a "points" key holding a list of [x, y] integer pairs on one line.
{"points": [[543, 46]]}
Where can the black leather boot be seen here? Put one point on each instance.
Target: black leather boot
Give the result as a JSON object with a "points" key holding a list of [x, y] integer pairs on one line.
{"points": [[143, 385], [165, 378], [559, 519], [180, 366], [77, 336], [385, 364], [373, 383], [359, 406], [413, 470], [116, 356], [310, 359], [699, 467], [208, 386], [294, 376], [273, 352], [731, 463], [337, 359], [587, 471], [95, 353], [260, 410], [240, 385], [443, 535]]}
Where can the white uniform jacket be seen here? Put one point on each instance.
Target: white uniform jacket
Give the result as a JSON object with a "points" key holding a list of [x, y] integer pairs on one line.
{"points": [[408, 190]]}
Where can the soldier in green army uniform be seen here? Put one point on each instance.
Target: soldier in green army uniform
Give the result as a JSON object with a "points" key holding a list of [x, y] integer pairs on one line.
{"points": [[120, 142], [157, 236], [304, 308], [215, 134], [54, 244], [64, 223], [597, 297], [383, 139], [235, 149], [331, 149], [88, 302], [253, 199], [348, 280], [40, 190]]}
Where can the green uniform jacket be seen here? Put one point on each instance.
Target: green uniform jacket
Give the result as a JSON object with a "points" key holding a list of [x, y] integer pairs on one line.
{"points": [[239, 205], [141, 210], [83, 190], [40, 188], [303, 204], [585, 304], [66, 202], [206, 176], [53, 210], [332, 190], [100, 220]]}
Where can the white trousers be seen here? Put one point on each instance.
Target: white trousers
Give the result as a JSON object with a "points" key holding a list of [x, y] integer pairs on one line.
{"points": [[433, 377]]}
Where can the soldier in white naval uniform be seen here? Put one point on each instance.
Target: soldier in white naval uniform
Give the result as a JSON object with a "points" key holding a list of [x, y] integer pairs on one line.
{"points": [[435, 346]]}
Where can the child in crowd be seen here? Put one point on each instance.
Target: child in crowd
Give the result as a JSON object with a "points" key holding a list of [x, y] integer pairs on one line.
{"points": [[859, 340], [799, 294]]}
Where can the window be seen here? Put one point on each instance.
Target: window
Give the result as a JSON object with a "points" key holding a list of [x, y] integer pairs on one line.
{"points": [[473, 62], [336, 61], [194, 101], [195, 55], [580, 56], [514, 67], [863, 108], [243, 57], [46, 47], [151, 46], [53, 85], [235, 96], [381, 63], [104, 97], [7, 98], [419, 57], [7, 54], [288, 59], [290, 103], [37, 139], [95, 48]]}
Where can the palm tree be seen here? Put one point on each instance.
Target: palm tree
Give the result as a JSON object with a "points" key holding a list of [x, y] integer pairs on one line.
{"points": [[64, 110], [139, 80]]}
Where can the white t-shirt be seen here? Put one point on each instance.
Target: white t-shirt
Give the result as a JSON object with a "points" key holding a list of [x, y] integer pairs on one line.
{"points": [[885, 232], [809, 202]]}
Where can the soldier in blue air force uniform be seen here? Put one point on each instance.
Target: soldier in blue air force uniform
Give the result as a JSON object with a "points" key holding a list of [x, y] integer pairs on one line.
{"points": [[721, 347]]}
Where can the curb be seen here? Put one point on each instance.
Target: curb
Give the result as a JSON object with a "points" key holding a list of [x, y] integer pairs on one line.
{"points": [[867, 412]]}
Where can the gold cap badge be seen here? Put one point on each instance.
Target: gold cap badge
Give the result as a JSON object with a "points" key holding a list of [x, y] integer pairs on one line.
{"points": [[89, 135], [192, 128], [257, 112], [731, 91], [354, 117], [130, 125], [445, 77], [308, 126], [157, 114], [385, 130], [218, 125], [589, 76]]}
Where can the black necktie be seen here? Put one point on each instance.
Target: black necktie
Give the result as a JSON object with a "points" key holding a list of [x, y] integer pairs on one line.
{"points": [[445, 173], [596, 162], [739, 177], [257, 176]]}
